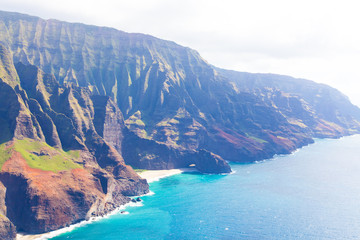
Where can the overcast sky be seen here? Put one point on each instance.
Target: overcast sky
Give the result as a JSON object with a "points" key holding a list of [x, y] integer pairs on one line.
{"points": [[313, 39]]}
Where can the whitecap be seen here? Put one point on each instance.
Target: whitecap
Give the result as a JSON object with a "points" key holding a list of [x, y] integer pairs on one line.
{"points": [[150, 193]]}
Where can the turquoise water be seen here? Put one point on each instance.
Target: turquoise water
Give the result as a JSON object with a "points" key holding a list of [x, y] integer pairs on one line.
{"points": [[311, 194]]}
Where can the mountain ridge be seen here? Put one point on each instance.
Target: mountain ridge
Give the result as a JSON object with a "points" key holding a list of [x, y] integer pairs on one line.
{"points": [[150, 80], [114, 99]]}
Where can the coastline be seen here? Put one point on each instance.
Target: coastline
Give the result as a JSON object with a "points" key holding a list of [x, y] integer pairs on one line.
{"points": [[20, 236], [149, 175], [156, 175]]}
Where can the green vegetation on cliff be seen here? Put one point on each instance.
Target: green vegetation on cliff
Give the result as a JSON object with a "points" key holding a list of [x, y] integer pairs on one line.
{"points": [[40, 155], [71, 85], [168, 93], [7, 69], [5, 153]]}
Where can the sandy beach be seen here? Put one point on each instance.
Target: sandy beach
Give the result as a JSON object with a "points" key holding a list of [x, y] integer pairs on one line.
{"points": [[156, 175], [29, 237]]}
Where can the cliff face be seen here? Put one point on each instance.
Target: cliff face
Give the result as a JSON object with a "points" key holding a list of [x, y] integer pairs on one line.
{"points": [[323, 110], [170, 95], [79, 101], [55, 167], [7, 228]]}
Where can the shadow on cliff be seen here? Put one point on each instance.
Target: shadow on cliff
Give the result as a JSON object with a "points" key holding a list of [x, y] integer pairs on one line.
{"points": [[8, 112]]}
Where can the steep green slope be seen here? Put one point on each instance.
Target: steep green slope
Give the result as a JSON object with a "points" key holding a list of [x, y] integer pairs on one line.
{"points": [[41, 156], [7, 70], [325, 103], [46, 187], [81, 101], [169, 94]]}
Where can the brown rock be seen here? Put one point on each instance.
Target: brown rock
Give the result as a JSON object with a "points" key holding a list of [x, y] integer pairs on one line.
{"points": [[7, 228], [207, 162], [41, 201]]}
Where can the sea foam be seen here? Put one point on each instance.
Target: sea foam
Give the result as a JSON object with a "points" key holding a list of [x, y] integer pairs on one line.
{"points": [[72, 227]]}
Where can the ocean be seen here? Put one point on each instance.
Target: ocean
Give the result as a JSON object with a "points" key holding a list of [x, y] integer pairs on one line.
{"points": [[311, 194]]}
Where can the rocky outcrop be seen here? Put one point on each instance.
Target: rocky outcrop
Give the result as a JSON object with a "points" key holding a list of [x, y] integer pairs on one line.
{"points": [[108, 121], [207, 162], [7, 228], [40, 200], [147, 154], [2, 199]]}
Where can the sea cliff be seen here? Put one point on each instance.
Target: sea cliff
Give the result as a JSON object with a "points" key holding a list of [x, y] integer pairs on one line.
{"points": [[81, 105]]}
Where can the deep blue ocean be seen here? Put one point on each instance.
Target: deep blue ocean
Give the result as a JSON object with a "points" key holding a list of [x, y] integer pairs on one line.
{"points": [[313, 193]]}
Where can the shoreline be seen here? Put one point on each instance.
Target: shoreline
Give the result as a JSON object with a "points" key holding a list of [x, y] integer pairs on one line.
{"points": [[47, 235], [156, 175], [149, 175]]}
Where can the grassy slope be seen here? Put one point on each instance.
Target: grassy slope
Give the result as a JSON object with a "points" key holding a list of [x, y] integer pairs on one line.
{"points": [[5, 153], [137, 170], [40, 155]]}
